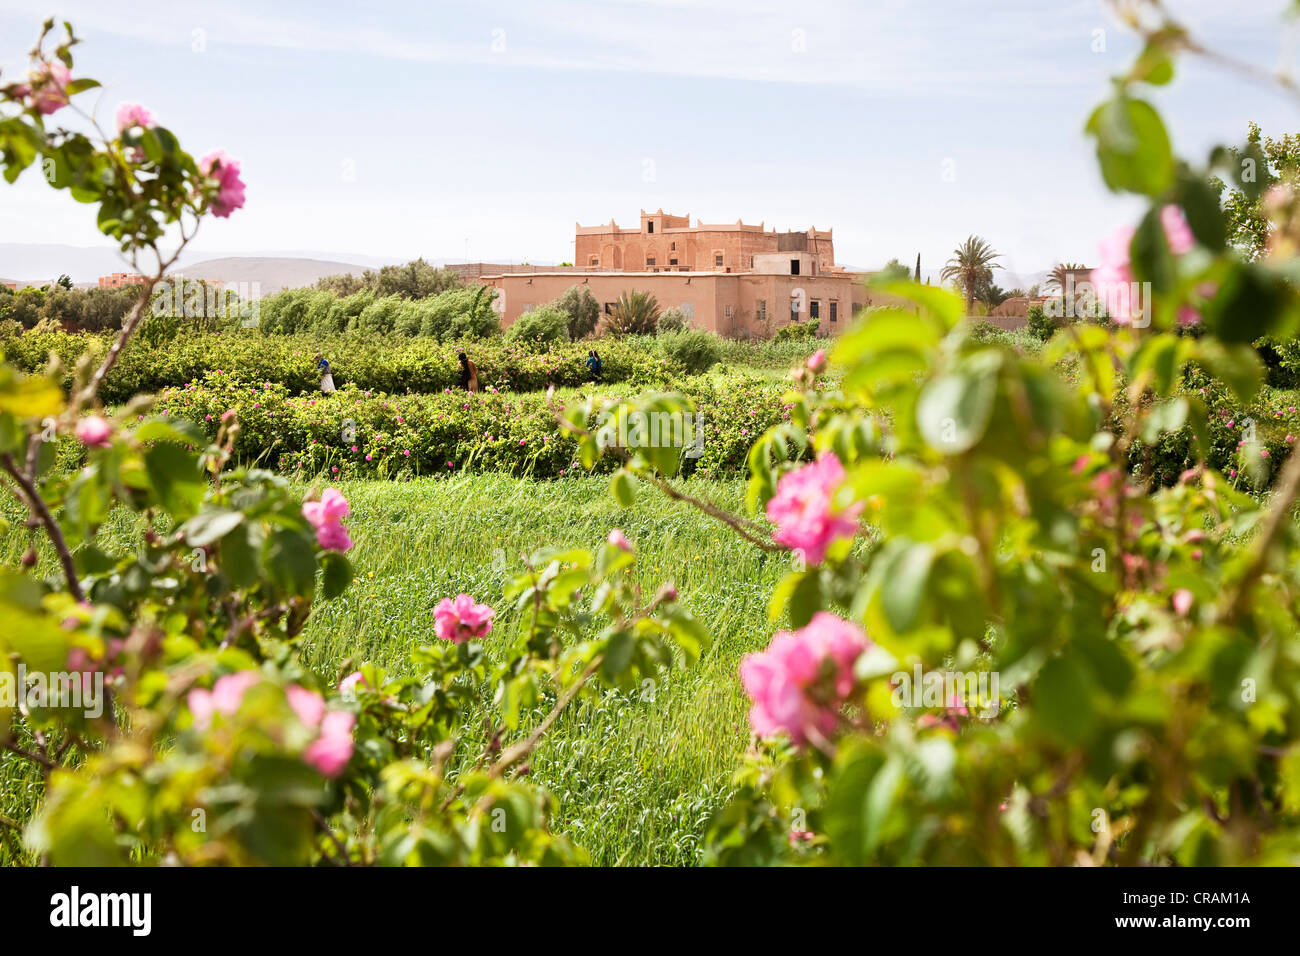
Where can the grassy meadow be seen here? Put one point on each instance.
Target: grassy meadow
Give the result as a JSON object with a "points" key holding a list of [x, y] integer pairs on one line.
{"points": [[635, 779]]}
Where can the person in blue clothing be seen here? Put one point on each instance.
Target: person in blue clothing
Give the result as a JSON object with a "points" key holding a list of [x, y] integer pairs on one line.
{"points": [[594, 365], [326, 377]]}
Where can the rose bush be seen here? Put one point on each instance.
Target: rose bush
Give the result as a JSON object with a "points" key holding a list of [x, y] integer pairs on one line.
{"points": [[378, 363], [213, 744], [355, 434], [1061, 639]]}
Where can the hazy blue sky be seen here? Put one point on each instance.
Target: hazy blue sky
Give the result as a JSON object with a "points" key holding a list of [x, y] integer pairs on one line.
{"points": [[394, 129]]}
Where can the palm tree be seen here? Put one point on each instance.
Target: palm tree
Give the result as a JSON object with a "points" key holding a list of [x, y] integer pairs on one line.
{"points": [[1056, 278], [972, 263], [635, 313], [990, 294]]}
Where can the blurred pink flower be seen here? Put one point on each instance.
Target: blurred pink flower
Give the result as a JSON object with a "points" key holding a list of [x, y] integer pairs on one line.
{"points": [[460, 619], [330, 752], [326, 516], [803, 508], [230, 193], [307, 704], [1177, 232], [224, 698], [1113, 279], [51, 86], [817, 362], [619, 540], [1182, 601], [130, 115], [94, 432], [803, 677], [352, 683]]}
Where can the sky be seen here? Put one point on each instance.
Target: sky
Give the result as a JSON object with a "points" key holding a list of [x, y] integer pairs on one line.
{"points": [[485, 130]]}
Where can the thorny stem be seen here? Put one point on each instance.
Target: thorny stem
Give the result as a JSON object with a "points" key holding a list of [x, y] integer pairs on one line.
{"points": [[518, 751], [31, 496]]}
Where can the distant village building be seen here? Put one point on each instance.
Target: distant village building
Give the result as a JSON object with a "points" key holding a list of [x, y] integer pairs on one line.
{"points": [[1013, 313], [120, 280], [11, 285], [738, 280]]}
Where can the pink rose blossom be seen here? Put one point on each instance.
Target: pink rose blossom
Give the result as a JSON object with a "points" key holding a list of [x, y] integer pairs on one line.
{"points": [[1113, 279], [52, 88], [224, 698], [1182, 601], [351, 683], [803, 508], [817, 362], [330, 752], [461, 619], [307, 704], [94, 432], [130, 115], [1177, 232], [230, 193], [801, 680], [326, 516], [619, 540]]}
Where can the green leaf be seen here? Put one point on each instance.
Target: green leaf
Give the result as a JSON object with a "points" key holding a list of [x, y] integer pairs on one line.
{"points": [[291, 562], [176, 478], [1251, 302], [903, 585], [1062, 697], [954, 409], [624, 488], [337, 575], [1132, 146]]}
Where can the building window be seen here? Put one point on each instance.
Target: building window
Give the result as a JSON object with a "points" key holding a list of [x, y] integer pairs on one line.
{"points": [[751, 262], [594, 261], [835, 311], [649, 260], [673, 261], [672, 245], [794, 267], [688, 309], [717, 260], [760, 310], [815, 309], [529, 306], [794, 310], [609, 307], [650, 227], [727, 311]]}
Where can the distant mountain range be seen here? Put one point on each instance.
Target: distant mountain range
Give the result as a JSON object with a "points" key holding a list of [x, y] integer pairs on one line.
{"points": [[268, 274], [40, 264]]}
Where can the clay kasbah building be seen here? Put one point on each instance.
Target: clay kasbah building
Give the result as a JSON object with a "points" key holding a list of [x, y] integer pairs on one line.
{"points": [[739, 280]]}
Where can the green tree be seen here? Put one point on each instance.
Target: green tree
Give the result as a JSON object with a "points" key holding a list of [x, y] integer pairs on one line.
{"points": [[894, 269], [1262, 163], [1056, 278], [582, 309], [541, 326], [972, 263]]}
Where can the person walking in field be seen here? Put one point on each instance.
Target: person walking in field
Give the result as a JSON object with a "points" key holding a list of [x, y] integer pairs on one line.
{"points": [[594, 365], [468, 373], [326, 376]]}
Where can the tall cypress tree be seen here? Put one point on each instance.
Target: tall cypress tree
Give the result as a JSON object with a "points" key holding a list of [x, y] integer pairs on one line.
{"points": [[917, 277]]}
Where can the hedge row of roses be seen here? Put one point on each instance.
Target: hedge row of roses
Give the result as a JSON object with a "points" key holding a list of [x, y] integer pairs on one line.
{"points": [[359, 434], [396, 364]]}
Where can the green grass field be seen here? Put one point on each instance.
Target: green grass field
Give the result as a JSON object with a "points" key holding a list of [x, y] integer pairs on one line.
{"points": [[635, 778]]}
